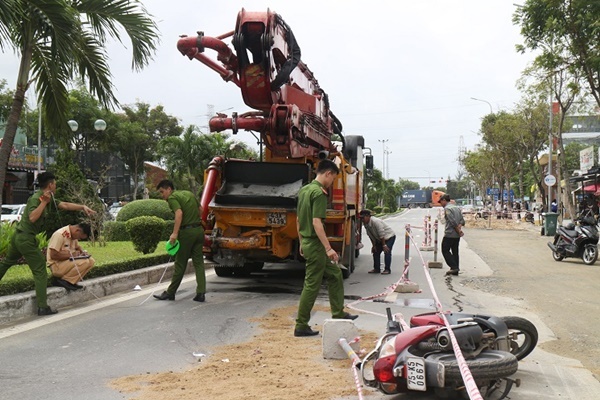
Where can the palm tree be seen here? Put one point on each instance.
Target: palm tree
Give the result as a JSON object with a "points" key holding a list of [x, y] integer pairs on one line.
{"points": [[184, 157], [188, 155], [61, 40]]}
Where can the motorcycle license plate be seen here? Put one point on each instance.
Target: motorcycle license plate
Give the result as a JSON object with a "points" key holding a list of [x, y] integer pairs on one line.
{"points": [[276, 218], [415, 374]]}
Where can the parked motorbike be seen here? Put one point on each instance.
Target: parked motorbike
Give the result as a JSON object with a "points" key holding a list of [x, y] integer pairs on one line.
{"points": [[529, 217], [482, 214], [422, 359], [578, 239]]}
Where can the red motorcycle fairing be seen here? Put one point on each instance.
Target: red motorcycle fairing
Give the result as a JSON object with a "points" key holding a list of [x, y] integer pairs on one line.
{"points": [[413, 336], [432, 318]]}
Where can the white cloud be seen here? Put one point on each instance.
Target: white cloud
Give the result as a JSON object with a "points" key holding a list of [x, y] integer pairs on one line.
{"points": [[398, 70]]}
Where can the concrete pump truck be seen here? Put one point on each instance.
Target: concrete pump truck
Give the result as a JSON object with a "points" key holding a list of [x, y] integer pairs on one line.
{"points": [[249, 207]]}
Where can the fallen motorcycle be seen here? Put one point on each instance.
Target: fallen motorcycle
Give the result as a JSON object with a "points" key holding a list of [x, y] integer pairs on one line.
{"points": [[422, 358], [578, 239], [521, 337]]}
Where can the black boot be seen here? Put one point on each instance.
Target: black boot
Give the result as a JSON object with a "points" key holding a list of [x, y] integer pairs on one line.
{"points": [[46, 311], [302, 332], [199, 297], [164, 296]]}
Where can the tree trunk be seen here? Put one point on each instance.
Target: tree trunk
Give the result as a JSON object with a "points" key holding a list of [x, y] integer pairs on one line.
{"points": [[15, 114]]}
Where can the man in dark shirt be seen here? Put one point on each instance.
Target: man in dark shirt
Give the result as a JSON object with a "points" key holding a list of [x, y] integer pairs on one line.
{"points": [[452, 234], [188, 230]]}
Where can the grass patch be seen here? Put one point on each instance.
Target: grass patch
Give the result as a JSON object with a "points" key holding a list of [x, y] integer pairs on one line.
{"points": [[114, 258]]}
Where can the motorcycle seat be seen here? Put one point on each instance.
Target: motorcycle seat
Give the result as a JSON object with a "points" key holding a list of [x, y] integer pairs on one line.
{"points": [[569, 232]]}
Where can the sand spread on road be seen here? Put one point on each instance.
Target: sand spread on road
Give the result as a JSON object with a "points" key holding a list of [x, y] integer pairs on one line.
{"points": [[272, 365]]}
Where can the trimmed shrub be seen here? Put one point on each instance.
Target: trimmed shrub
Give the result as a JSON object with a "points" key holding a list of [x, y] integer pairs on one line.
{"points": [[116, 231], [167, 230], [148, 207], [145, 232]]}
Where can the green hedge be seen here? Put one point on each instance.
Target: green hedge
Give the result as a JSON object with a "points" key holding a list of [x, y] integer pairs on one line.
{"points": [[145, 233], [115, 231], [167, 230], [25, 283], [149, 207]]}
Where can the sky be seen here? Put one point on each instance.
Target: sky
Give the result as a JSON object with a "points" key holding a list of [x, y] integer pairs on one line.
{"points": [[401, 73]]}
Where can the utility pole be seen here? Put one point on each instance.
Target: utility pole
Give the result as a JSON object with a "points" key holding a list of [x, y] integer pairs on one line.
{"points": [[387, 161], [383, 141], [550, 145]]}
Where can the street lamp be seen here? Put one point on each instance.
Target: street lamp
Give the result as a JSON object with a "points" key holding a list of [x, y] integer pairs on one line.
{"points": [[485, 101], [383, 141], [387, 161], [99, 126], [74, 126]]}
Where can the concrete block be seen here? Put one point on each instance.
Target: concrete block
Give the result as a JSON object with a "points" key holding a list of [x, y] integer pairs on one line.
{"points": [[434, 264], [391, 297], [426, 248], [407, 287], [334, 330]]}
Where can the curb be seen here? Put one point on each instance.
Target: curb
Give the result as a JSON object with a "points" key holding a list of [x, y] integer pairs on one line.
{"points": [[23, 305]]}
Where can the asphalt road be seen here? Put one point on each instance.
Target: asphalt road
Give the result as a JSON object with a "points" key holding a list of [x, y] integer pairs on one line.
{"points": [[76, 352]]}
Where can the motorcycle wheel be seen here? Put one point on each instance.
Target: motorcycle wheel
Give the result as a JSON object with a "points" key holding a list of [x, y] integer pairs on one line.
{"points": [[590, 254], [489, 364], [557, 256], [527, 336]]}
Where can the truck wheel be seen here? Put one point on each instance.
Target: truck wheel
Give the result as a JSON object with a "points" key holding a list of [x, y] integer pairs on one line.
{"points": [[223, 272], [349, 251], [248, 268]]}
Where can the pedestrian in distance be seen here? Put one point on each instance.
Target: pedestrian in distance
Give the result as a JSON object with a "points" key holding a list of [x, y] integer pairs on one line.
{"points": [[452, 234], [554, 206], [188, 230], [67, 260], [320, 257], [24, 242], [382, 238]]}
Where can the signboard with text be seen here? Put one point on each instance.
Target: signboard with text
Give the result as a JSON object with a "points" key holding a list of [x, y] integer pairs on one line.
{"points": [[586, 158]]}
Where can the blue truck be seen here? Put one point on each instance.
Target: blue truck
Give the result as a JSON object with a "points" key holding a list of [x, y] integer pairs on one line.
{"points": [[420, 198]]}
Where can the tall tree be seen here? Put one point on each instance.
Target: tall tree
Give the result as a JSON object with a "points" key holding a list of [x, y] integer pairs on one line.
{"points": [[60, 40], [140, 129], [188, 155], [571, 23]]}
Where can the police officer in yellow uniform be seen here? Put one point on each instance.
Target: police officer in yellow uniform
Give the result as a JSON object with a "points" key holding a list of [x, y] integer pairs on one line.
{"points": [[314, 246], [188, 230]]}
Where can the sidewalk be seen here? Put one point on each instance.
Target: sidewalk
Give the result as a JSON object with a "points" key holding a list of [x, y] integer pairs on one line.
{"points": [[23, 305]]}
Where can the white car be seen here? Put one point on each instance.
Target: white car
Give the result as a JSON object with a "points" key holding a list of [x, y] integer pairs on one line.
{"points": [[12, 213], [114, 210]]}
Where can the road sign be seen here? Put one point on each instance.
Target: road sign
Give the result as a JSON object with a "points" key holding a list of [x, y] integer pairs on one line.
{"points": [[550, 180]]}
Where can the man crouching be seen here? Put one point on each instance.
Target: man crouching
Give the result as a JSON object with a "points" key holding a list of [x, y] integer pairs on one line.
{"points": [[68, 261]]}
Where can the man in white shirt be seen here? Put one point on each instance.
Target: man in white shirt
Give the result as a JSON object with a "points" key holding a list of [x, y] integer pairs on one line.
{"points": [[68, 261], [383, 238]]}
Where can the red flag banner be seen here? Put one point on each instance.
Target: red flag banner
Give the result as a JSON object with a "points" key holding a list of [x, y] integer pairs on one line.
{"points": [[555, 108]]}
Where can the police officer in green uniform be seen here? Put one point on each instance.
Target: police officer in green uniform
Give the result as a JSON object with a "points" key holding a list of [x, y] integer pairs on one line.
{"points": [[314, 246], [188, 230], [24, 243]]}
